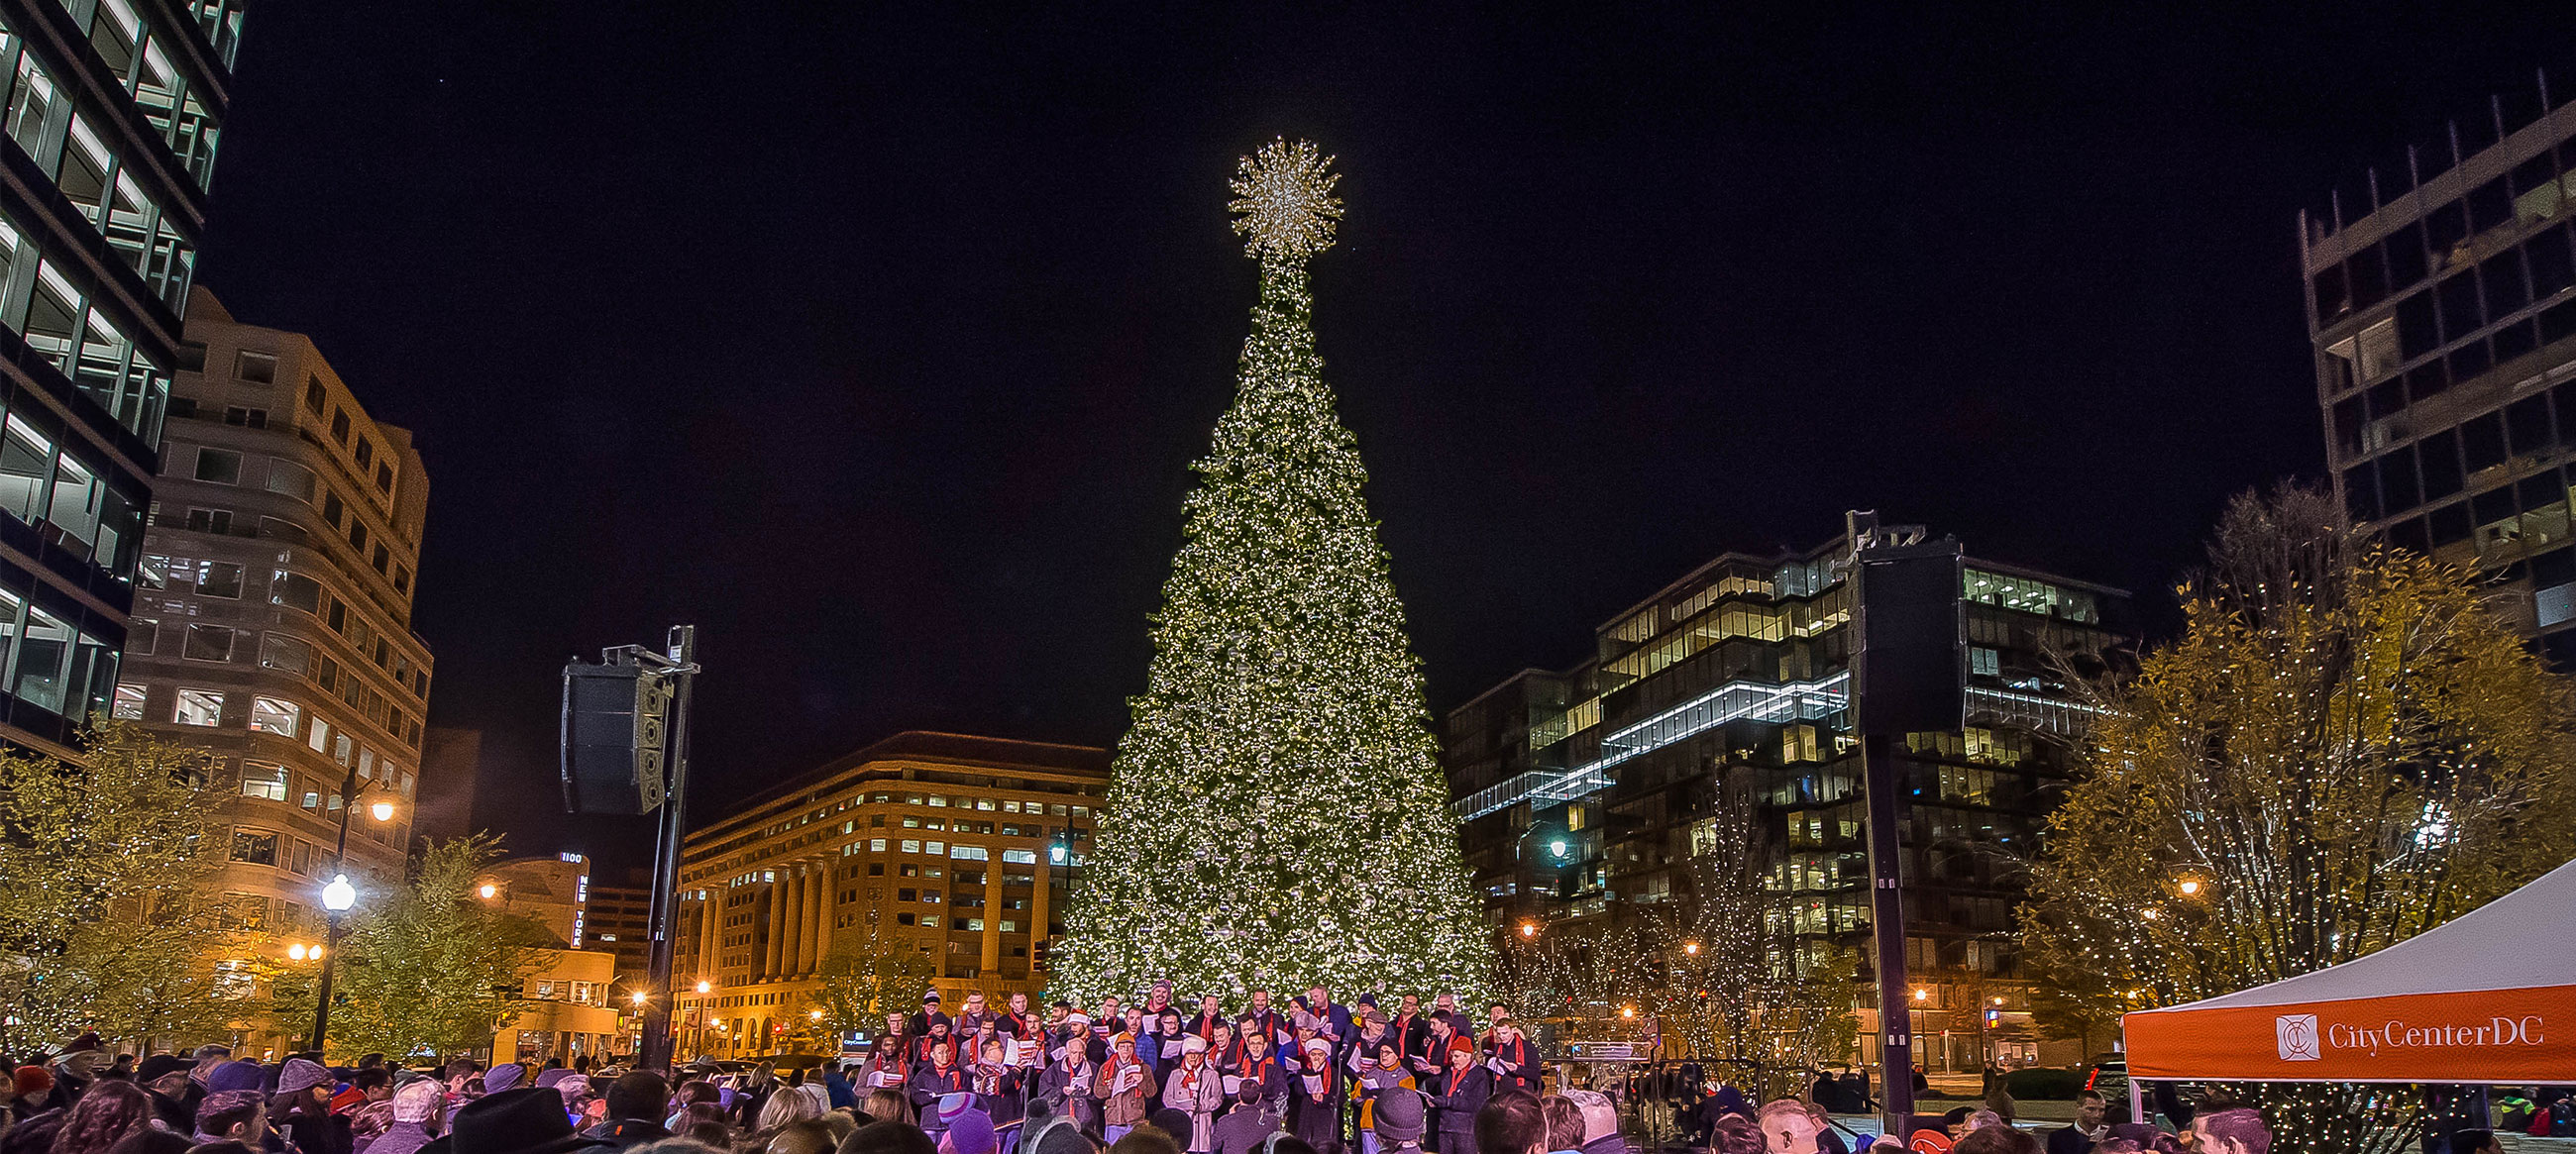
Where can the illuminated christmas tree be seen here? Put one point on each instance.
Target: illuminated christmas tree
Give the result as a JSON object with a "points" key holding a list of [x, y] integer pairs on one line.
{"points": [[1276, 815]]}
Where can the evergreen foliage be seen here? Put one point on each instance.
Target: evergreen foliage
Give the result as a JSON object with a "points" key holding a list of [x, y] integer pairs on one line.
{"points": [[1276, 814]]}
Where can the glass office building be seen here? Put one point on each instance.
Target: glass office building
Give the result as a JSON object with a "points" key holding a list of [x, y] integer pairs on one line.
{"points": [[1587, 793], [2442, 302], [113, 111]]}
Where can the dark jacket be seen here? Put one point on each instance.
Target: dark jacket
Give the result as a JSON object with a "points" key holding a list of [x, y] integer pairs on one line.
{"points": [[1315, 1121], [1071, 1095], [623, 1132], [400, 1138], [1458, 1096], [2068, 1140], [928, 1082], [1520, 1066], [1244, 1128]]}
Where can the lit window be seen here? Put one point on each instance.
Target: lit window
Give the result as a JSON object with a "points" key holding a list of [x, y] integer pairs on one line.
{"points": [[969, 853], [319, 737], [254, 848], [263, 780], [219, 579], [283, 653], [275, 715], [876, 845], [933, 848], [129, 703], [199, 707], [911, 847]]}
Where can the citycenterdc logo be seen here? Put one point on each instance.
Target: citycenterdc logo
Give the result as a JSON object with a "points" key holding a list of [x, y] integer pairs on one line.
{"points": [[2299, 1039]]}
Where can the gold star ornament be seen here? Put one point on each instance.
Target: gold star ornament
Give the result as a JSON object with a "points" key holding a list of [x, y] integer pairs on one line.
{"points": [[1284, 201]]}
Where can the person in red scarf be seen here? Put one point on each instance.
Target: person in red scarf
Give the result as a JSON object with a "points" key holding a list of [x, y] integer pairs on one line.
{"points": [[1223, 1047], [1315, 1096], [1198, 1090], [1255, 1067], [924, 1039], [1205, 1021], [1515, 1064], [890, 1067], [1270, 1022], [1124, 1089], [1456, 1095], [940, 1075], [1411, 1031]]}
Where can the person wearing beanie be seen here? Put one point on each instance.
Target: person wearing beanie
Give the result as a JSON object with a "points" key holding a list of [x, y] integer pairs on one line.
{"points": [[415, 1108], [28, 1089], [1315, 1096], [637, 1102], [74, 1069], [1456, 1094], [302, 1108], [242, 1075], [1376, 1069], [1125, 1088], [1397, 1120], [502, 1077], [1198, 1090], [965, 1129]]}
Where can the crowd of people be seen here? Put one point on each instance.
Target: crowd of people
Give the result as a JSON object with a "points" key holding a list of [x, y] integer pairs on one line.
{"points": [[1311, 1076]]}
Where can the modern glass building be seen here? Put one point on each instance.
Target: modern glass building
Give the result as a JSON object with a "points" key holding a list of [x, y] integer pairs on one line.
{"points": [[1587, 794], [113, 111], [2442, 301]]}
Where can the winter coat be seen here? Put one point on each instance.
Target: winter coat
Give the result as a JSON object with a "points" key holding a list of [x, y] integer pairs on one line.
{"points": [[1520, 1067], [1243, 1129], [1128, 1108], [1316, 1120], [400, 1138], [1199, 1093], [625, 1132], [1072, 1094], [925, 1086], [1457, 1095]]}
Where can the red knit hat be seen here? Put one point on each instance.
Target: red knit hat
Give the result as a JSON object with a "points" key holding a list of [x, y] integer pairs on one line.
{"points": [[33, 1080], [1460, 1045]]}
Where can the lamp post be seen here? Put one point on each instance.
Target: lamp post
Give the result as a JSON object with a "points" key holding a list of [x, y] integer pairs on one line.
{"points": [[337, 897]]}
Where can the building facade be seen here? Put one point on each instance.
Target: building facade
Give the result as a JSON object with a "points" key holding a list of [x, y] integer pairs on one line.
{"points": [[573, 1010], [1591, 793], [113, 112], [272, 622], [2442, 303], [620, 923], [946, 842]]}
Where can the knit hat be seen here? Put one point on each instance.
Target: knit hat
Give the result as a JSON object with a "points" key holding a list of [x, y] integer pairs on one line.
{"points": [[503, 1077], [218, 1105], [546, 1078], [32, 1080], [1194, 1044], [1397, 1115], [301, 1075], [87, 1041], [1369, 1000], [420, 1101], [153, 1068], [970, 1131], [241, 1075], [1318, 1046]]}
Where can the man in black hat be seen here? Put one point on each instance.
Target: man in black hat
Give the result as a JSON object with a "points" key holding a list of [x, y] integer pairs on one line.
{"points": [[529, 1121], [165, 1078]]}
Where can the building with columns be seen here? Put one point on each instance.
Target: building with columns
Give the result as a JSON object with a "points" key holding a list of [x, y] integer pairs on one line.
{"points": [[960, 847]]}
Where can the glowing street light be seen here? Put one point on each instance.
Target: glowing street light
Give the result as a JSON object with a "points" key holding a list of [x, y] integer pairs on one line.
{"points": [[489, 891], [1559, 848], [639, 997], [1691, 948], [295, 952], [705, 986], [1529, 929], [1627, 1011], [382, 811], [337, 897], [2190, 887], [1922, 995]]}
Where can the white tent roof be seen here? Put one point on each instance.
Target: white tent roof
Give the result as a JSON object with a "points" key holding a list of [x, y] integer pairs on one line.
{"points": [[2517, 941]]}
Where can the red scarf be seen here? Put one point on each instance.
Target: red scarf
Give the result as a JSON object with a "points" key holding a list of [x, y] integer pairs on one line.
{"points": [[1519, 1055], [1205, 1027], [1190, 1081], [1258, 1072]]}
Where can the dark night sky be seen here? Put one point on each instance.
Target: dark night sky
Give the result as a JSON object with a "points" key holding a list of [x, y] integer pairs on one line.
{"points": [[876, 343]]}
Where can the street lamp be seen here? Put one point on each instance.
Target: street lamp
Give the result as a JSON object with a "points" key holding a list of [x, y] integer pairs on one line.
{"points": [[1529, 929], [337, 897], [295, 952], [489, 891], [382, 811], [705, 986], [2190, 887], [1691, 948], [639, 997]]}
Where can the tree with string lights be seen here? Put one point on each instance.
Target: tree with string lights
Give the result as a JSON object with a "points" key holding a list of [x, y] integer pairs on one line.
{"points": [[1276, 815], [2347, 746]]}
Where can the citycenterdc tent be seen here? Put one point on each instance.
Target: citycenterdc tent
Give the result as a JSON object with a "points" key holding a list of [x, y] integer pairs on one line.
{"points": [[2489, 997]]}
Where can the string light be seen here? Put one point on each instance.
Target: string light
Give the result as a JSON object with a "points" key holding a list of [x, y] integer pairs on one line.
{"points": [[1282, 731]]}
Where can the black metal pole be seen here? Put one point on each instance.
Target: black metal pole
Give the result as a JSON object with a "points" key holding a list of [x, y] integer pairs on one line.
{"points": [[656, 1047], [1887, 920], [331, 939]]}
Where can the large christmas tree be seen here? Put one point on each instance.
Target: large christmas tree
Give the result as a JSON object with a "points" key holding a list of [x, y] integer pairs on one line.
{"points": [[1276, 816]]}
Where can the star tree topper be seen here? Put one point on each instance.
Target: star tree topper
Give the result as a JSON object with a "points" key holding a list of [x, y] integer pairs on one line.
{"points": [[1284, 201]]}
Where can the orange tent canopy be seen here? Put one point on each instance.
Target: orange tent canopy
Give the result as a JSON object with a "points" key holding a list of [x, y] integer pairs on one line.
{"points": [[2488, 997]]}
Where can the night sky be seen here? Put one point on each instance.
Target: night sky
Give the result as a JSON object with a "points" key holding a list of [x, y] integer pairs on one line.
{"points": [[876, 344]]}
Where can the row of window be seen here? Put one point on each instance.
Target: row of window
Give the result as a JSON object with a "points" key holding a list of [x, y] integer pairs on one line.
{"points": [[221, 21], [56, 657], [135, 53], [269, 781], [224, 580], [273, 850], [2441, 463], [259, 367], [2533, 191], [228, 467], [278, 716], [67, 490]]}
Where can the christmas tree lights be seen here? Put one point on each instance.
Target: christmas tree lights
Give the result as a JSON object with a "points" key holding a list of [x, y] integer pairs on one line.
{"points": [[1275, 815]]}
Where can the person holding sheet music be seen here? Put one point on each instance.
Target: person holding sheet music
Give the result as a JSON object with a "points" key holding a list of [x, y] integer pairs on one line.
{"points": [[1197, 1089], [1069, 1087], [1315, 1095], [1124, 1089]]}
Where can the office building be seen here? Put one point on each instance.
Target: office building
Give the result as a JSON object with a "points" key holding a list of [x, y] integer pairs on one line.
{"points": [[1588, 793], [947, 842], [2439, 299], [272, 626], [620, 923], [113, 112], [572, 1009]]}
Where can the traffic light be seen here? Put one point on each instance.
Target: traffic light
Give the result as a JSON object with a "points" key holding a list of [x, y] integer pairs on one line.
{"points": [[1993, 1016]]}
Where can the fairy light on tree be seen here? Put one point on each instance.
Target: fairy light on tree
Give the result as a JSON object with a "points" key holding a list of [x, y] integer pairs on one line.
{"points": [[1275, 814], [2348, 746]]}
